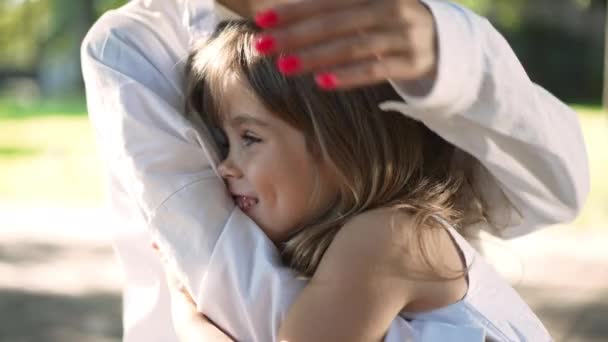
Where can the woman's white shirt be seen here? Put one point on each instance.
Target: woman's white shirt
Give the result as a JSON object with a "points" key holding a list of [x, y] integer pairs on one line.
{"points": [[163, 185]]}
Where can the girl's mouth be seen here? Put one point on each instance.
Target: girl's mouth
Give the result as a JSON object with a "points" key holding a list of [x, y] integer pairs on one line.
{"points": [[245, 203]]}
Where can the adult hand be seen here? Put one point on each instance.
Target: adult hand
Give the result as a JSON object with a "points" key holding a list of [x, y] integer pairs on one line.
{"points": [[248, 8], [189, 324], [351, 43]]}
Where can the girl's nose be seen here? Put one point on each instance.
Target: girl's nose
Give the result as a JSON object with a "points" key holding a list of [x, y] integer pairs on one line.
{"points": [[227, 169]]}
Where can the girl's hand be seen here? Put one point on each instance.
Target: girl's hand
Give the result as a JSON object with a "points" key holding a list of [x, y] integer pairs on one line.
{"points": [[351, 43], [189, 324]]}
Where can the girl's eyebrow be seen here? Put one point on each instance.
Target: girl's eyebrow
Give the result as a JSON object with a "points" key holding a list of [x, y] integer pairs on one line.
{"points": [[241, 119]]}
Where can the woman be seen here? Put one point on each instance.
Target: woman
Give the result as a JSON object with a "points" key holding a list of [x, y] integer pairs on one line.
{"points": [[477, 73]]}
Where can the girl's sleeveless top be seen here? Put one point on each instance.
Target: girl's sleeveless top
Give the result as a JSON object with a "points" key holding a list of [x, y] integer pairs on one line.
{"points": [[490, 306]]}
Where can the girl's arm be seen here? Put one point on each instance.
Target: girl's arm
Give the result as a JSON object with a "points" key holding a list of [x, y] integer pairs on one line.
{"points": [[371, 272], [354, 294], [535, 167]]}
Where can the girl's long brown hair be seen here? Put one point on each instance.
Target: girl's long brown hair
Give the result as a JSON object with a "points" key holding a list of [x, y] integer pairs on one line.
{"points": [[384, 159]]}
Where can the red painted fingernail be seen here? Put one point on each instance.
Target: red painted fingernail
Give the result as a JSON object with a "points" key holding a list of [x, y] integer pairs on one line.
{"points": [[154, 246], [265, 44], [289, 64], [266, 19], [326, 80]]}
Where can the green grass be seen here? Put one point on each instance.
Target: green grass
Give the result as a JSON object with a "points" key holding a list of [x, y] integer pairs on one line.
{"points": [[8, 151], [70, 106], [48, 157]]}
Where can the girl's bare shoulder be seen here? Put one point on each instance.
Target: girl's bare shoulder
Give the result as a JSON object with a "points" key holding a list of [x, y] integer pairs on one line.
{"points": [[365, 255], [395, 234], [383, 235], [386, 244], [375, 241]]}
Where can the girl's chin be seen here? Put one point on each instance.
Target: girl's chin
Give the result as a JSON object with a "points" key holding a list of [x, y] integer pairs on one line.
{"points": [[273, 233], [258, 221]]}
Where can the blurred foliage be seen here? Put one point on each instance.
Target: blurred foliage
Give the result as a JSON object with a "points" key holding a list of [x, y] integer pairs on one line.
{"points": [[41, 44], [560, 42], [28, 26], [507, 13]]}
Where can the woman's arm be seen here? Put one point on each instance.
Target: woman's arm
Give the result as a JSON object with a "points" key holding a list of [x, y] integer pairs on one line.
{"points": [[470, 88], [535, 167], [371, 272]]}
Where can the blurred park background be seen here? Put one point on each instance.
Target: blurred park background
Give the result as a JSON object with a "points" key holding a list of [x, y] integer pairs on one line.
{"points": [[59, 280]]}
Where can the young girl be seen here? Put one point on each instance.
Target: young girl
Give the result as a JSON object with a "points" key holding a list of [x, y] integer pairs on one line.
{"points": [[365, 203]]}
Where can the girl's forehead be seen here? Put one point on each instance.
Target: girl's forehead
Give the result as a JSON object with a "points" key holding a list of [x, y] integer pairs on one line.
{"points": [[227, 92], [237, 102], [232, 80], [234, 91]]}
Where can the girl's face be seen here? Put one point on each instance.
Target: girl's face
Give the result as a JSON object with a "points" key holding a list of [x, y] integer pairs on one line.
{"points": [[269, 170]]}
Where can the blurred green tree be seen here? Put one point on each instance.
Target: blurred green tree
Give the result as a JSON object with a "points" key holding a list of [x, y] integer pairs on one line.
{"points": [[560, 42], [41, 39]]}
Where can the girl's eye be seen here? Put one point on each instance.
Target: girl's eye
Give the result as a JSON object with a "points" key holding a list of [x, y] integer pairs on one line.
{"points": [[249, 139], [222, 141]]}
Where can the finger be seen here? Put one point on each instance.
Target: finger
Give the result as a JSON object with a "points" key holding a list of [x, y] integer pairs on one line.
{"points": [[324, 27], [288, 12], [344, 51], [375, 71]]}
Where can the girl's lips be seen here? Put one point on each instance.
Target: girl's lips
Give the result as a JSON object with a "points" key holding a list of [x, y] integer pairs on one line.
{"points": [[244, 202]]}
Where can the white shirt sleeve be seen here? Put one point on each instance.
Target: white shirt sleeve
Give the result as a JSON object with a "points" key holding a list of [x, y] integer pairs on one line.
{"points": [[132, 62], [534, 168]]}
